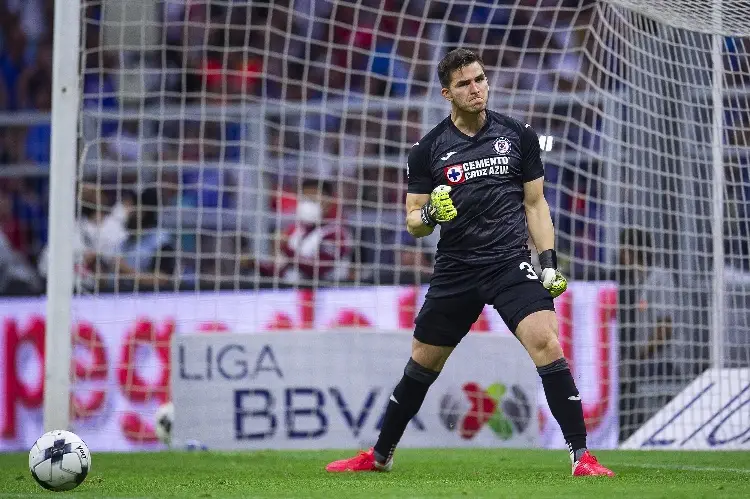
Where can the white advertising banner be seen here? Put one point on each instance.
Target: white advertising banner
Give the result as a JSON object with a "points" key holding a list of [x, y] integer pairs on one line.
{"points": [[711, 413], [122, 355], [587, 320], [330, 390]]}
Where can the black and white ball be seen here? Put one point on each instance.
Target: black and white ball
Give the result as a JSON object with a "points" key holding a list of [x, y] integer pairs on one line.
{"points": [[59, 460], [165, 423]]}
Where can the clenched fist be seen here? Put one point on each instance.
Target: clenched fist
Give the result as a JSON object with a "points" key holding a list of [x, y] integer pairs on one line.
{"points": [[439, 208], [552, 279]]}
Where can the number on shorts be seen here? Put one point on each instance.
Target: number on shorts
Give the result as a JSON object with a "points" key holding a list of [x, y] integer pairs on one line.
{"points": [[526, 267]]}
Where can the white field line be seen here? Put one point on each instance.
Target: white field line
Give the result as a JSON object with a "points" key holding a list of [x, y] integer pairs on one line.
{"points": [[717, 469]]}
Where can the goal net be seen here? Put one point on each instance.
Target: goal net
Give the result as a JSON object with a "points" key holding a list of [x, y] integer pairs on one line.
{"points": [[242, 169]]}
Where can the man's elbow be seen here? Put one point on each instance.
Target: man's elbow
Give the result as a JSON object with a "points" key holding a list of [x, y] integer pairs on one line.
{"points": [[535, 206]]}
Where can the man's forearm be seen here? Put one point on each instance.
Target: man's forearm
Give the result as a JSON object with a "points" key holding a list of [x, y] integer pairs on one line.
{"points": [[416, 226], [541, 230]]}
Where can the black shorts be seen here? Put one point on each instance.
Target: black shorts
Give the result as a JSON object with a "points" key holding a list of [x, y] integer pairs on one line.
{"points": [[457, 297]]}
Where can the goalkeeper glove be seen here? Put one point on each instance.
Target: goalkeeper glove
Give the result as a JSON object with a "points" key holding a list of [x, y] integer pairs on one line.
{"points": [[439, 208], [552, 279]]}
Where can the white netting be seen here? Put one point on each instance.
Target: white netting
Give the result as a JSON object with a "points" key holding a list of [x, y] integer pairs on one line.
{"points": [[237, 123], [721, 17]]}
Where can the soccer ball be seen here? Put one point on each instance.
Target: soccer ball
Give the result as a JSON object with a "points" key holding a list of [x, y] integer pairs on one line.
{"points": [[164, 423], [59, 460]]}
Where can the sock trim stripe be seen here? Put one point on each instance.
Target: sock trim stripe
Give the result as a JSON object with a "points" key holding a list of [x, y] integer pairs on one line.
{"points": [[554, 367], [420, 373]]}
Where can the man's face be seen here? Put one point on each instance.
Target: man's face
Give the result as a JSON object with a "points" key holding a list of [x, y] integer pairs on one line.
{"points": [[469, 89]]}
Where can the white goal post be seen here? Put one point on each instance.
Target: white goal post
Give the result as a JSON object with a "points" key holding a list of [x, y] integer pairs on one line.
{"points": [[254, 153], [62, 207]]}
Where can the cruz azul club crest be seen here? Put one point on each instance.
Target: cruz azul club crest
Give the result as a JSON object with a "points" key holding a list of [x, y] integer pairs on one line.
{"points": [[501, 145], [454, 174]]}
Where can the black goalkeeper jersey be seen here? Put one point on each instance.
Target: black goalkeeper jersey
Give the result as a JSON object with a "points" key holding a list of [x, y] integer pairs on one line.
{"points": [[486, 173]]}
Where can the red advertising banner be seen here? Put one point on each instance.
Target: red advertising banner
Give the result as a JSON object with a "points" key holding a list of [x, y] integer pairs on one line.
{"points": [[121, 362]]}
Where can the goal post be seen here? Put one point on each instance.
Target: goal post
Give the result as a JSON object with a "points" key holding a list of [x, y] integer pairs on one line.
{"points": [[62, 207], [242, 168], [717, 193]]}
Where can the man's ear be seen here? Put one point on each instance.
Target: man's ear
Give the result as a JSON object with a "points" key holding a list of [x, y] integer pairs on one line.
{"points": [[446, 93]]}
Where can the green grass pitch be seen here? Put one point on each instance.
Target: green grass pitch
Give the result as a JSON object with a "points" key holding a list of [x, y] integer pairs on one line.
{"points": [[418, 473]]}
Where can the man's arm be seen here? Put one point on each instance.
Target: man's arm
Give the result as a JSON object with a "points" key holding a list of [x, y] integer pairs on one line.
{"points": [[437, 209], [426, 205], [542, 233], [538, 217], [414, 223]]}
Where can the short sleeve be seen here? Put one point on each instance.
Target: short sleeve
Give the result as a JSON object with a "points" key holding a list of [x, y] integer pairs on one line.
{"points": [[418, 171], [531, 161]]}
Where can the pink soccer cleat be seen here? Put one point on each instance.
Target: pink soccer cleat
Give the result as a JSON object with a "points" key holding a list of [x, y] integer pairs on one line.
{"points": [[589, 466], [364, 461]]}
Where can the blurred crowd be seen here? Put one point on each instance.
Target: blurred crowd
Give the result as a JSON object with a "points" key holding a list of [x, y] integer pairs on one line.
{"points": [[175, 193], [154, 211]]}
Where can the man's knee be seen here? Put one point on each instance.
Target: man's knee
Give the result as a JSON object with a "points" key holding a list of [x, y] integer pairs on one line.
{"points": [[431, 357], [545, 345], [538, 333]]}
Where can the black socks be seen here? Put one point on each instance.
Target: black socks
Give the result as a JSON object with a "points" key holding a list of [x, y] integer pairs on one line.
{"points": [[565, 403], [404, 404], [560, 389]]}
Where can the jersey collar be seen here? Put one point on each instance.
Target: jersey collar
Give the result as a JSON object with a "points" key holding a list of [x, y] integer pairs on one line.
{"points": [[477, 135]]}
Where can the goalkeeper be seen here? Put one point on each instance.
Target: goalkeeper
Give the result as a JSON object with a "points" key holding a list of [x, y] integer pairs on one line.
{"points": [[480, 176]]}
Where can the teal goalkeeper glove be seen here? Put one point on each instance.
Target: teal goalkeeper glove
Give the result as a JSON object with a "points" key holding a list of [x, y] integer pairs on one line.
{"points": [[552, 279], [439, 208]]}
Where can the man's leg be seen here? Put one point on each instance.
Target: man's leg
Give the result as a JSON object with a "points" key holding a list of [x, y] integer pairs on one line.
{"points": [[421, 371], [538, 334], [440, 326]]}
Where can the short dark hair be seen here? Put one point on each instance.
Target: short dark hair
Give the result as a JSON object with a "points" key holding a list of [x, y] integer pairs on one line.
{"points": [[453, 60]]}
